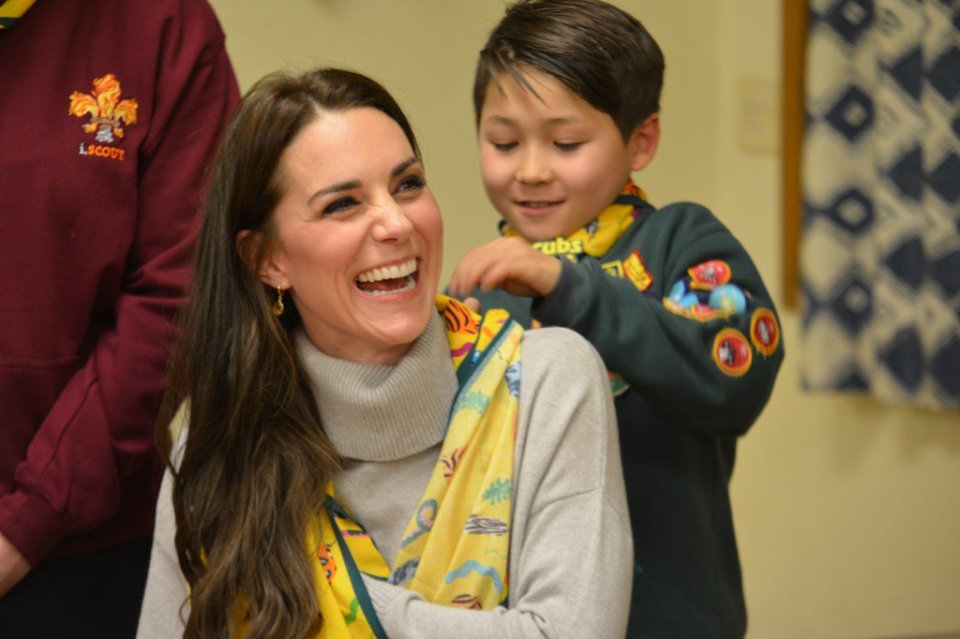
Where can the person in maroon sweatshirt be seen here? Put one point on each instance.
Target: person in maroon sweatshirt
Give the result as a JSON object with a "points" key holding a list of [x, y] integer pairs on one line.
{"points": [[109, 110]]}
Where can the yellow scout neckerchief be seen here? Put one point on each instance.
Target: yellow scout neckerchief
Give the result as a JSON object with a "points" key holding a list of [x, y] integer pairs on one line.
{"points": [[11, 10], [599, 235], [455, 548]]}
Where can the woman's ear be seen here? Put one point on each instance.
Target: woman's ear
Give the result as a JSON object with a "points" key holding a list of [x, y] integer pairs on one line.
{"points": [[256, 251], [643, 142]]}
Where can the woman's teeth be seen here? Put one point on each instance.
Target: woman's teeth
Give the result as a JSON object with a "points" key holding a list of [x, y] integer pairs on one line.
{"points": [[408, 283], [389, 279], [393, 272]]}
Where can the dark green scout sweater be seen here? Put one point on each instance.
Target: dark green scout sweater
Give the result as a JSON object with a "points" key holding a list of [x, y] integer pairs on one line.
{"points": [[687, 387]]}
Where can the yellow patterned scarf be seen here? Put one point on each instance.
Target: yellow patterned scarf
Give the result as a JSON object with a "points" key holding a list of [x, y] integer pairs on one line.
{"points": [[599, 235], [455, 548], [11, 10]]}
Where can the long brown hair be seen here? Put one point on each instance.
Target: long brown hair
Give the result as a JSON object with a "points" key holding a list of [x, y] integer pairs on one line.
{"points": [[256, 461]]}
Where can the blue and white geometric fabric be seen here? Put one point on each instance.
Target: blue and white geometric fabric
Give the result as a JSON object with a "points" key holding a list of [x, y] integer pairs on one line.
{"points": [[880, 252]]}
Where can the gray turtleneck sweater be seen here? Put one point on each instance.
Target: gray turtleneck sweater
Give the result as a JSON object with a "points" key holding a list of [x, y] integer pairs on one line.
{"points": [[571, 552]]}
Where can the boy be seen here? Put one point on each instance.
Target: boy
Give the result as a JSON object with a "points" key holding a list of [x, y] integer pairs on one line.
{"points": [[566, 98]]}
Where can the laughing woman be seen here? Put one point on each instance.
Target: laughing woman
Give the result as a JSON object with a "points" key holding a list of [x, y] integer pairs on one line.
{"points": [[364, 458]]}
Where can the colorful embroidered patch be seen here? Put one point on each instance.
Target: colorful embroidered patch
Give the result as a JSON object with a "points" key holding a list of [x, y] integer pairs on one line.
{"points": [[689, 300], [705, 313], [764, 331], [678, 290], [675, 307], [728, 298], [636, 271], [695, 310], [709, 274], [618, 385], [613, 268], [731, 352], [107, 112]]}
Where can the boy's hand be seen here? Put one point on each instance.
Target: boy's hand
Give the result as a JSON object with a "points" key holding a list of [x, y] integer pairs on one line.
{"points": [[508, 263]]}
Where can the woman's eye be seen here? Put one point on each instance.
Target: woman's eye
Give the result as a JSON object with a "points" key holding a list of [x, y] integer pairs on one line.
{"points": [[504, 146], [568, 146], [411, 183], [340, 205]]}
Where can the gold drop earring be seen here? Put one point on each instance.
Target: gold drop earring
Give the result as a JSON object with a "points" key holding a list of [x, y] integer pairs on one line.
{"points": [[278, 305]]}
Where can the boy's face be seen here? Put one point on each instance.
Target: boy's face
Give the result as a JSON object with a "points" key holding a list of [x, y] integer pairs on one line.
{"points": [[550, 164]]}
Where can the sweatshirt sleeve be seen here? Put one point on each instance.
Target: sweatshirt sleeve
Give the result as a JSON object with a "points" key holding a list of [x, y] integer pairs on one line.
{"points": [[571, 557], [705, 369], [100, 430]]}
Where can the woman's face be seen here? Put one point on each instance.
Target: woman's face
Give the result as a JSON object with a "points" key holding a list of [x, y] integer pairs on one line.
{"points": [[357, 236]]}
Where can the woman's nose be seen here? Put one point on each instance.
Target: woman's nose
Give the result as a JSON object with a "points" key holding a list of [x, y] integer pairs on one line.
{"points": [[391, 223]]}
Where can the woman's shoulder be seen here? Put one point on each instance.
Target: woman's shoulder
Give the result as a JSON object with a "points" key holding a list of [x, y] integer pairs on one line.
{"points": [[566, 414], [562, 365], [558, 345]]}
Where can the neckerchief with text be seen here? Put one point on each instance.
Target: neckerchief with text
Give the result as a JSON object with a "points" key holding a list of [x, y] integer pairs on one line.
{"points": [[596, 238]]}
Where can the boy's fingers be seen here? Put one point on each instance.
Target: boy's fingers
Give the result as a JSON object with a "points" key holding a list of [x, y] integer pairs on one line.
{"points": [[473, 304], [465, 278], [469, 273]]}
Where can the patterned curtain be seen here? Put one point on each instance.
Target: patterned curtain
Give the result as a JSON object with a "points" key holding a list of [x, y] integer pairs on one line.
{"points": [[880, 252]]}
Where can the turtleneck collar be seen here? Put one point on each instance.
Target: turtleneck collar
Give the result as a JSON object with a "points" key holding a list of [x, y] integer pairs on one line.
{"points": [[373, 412]]}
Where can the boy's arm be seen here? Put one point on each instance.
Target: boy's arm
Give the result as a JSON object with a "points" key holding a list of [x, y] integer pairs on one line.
{"points": [[714, 374], [693, 370]]}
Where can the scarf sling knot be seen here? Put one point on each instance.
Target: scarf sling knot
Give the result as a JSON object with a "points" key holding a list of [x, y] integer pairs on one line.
{"points": [[455, 549]]}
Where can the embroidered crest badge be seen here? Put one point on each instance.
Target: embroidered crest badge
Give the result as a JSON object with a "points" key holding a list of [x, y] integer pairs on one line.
{"points": [[106, 110], [709, 274], [636, 271], [731, 352], [764, 331]]}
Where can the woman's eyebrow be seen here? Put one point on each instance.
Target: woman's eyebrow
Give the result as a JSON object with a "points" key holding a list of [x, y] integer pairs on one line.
{"points": [[335, 188], [403, 166]]}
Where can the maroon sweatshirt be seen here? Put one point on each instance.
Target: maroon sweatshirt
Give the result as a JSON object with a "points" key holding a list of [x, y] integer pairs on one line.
{"points": [[109, 111]]}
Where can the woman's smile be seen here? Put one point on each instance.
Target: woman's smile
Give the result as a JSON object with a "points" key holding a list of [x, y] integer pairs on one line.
{"points": [[395, 278]]}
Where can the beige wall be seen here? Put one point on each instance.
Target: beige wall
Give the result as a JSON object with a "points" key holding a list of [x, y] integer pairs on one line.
{"points": [[848, 512]]}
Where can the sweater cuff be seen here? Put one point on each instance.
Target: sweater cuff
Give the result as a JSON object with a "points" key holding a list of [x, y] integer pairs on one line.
{"points": [[550, 309], [30, 523]]}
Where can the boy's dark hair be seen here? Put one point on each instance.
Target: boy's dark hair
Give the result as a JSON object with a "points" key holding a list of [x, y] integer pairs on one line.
{"points": [[600, 52]]}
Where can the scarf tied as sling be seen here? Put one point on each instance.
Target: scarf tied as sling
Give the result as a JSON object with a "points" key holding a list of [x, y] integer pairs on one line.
{"points": [[455, 548]]}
